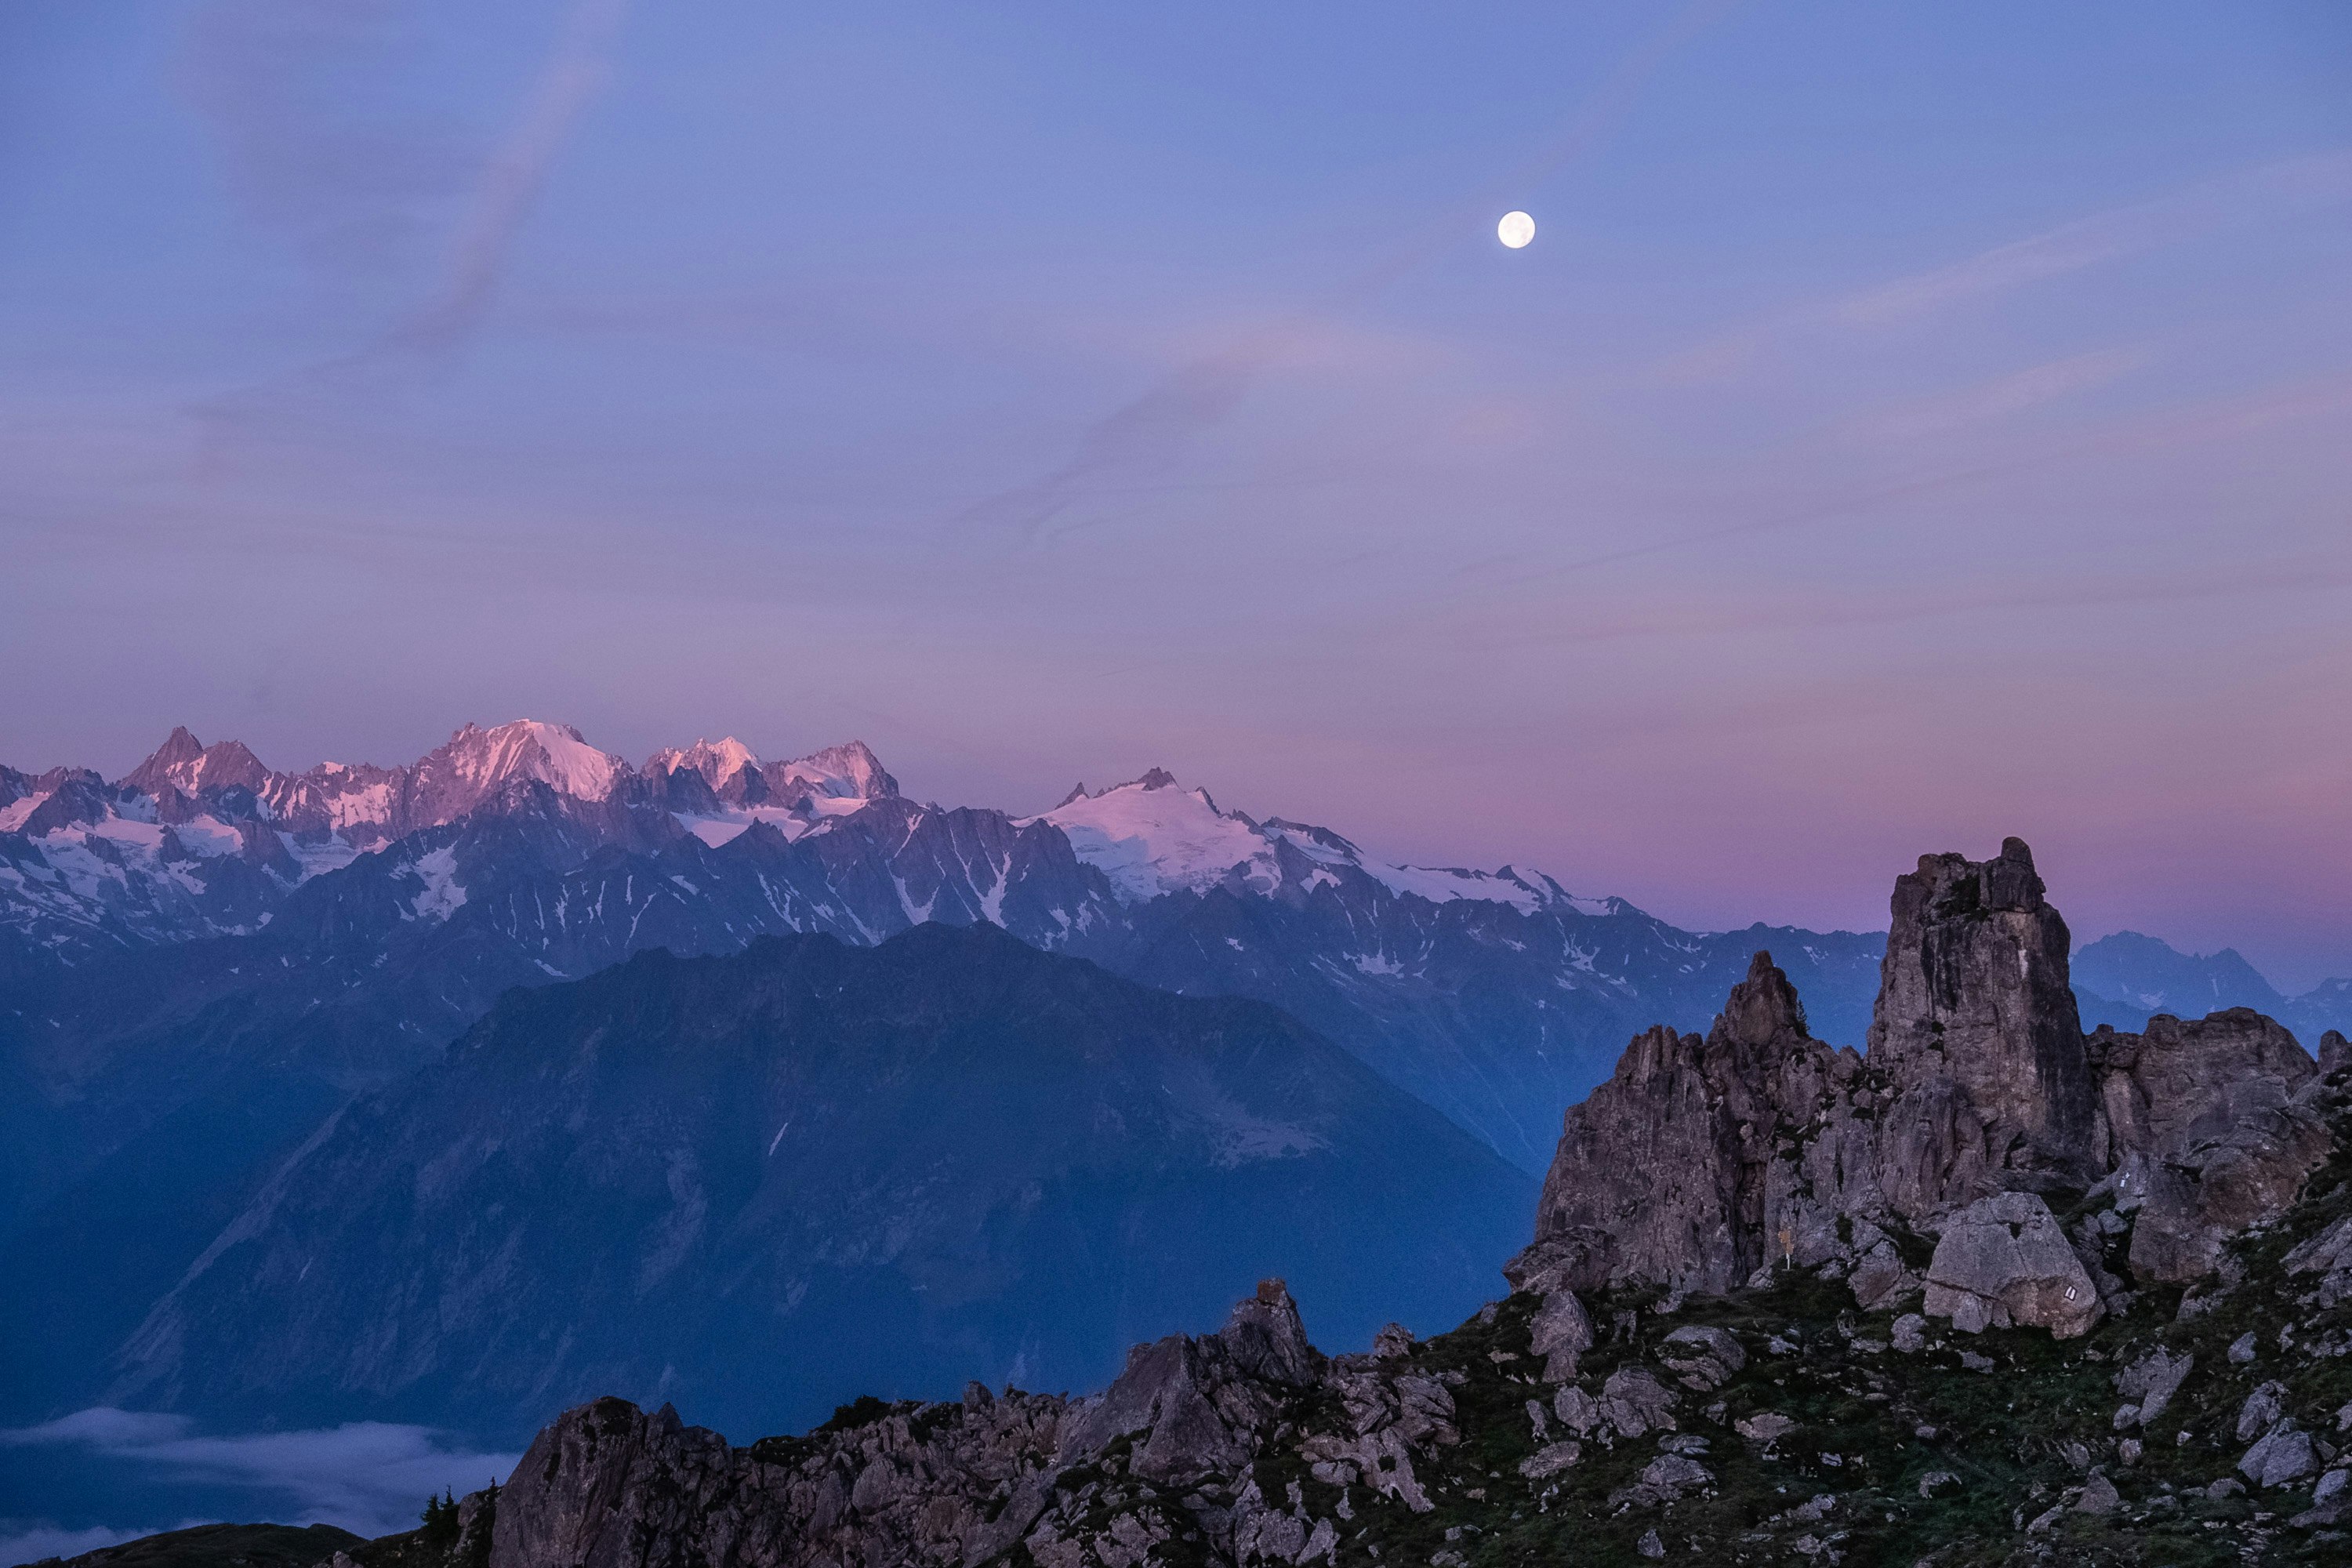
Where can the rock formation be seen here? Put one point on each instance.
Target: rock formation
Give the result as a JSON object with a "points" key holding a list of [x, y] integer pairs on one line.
{"points": [[1705, 1162], [2209, 1130], [1974, 997]]}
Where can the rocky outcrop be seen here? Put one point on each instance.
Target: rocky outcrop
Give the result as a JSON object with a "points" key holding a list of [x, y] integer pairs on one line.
{"points": [[1673, 1173], [1976, 1011], [1164, 1457], [2209, 1130], [2182, 1081], [1707, 1162], [1760, 1427]]}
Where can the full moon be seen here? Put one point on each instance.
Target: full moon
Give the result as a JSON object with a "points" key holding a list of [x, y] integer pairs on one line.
{"points": [[1516, 229]]}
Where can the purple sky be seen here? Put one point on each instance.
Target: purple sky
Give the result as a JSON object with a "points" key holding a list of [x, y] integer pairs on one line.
{"points": [[1909, 426]]}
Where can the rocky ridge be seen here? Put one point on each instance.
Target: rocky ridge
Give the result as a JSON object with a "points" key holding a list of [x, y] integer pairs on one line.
{"points": [[1785, 1302], [1703, 1162]]}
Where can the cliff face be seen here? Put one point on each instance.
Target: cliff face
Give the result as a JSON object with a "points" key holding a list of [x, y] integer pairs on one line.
{"points": [[1974, 993]]}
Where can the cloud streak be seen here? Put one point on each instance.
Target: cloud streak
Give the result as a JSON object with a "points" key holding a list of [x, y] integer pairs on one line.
{"points": [[574, 74], [1998, 398], [2243, 195], [292, 62]]}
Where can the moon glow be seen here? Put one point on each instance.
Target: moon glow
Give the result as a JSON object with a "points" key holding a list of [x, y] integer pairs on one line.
{"points": [[1516, 229]]}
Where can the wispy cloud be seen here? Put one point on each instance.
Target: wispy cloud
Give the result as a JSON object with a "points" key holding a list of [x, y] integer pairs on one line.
{"points": [[2243, 195], [369, 1476], [316, 138], [1988, 401], [574, 73], [270, 83], [2240, 195]]}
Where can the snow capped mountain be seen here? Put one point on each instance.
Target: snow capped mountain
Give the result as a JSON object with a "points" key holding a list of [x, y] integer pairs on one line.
{"points": [[187, 764], [480, 762], [716, 789], [205, 840], [1152, 837]]}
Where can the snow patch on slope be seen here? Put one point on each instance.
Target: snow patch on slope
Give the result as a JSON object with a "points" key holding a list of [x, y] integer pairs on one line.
{"points": [[443, 894]]}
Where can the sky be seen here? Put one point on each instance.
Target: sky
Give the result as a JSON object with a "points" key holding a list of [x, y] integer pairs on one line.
{"points": [[1909, 427]]}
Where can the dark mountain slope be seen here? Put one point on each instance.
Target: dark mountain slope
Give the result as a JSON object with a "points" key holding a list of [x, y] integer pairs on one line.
{"points": [[769, 1181], [1499, 1017]]}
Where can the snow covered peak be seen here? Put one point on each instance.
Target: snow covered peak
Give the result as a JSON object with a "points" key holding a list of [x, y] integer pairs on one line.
{"points": [[1151, 837], [716, 761], [554, 754]]}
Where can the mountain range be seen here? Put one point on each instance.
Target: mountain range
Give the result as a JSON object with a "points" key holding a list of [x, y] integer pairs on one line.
{"points": [[206, 959], [1998, 1291]]}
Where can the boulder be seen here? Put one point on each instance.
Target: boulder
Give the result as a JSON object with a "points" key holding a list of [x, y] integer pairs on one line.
{"points": [[2004, 1260], [2284, 1456], [1702, 1358], [1635, 1403], [2150, 1384], [2099, 1496], [2329, 1256], [2263, 1410]]}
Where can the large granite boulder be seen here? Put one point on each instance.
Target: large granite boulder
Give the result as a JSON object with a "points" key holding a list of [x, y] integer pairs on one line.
{"points": [[2003, 1261]]}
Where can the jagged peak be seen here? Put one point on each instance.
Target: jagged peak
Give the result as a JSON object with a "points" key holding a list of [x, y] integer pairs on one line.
{"points": [[1763, 1010], [847, 770], [717, 761], [153, 774], [185, 764]]}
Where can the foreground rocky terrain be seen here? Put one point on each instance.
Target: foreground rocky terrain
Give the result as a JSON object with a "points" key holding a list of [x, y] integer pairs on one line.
{"points": [[1996, 1292]]}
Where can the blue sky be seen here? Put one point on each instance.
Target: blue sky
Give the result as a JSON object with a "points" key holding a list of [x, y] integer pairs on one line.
{"points": [[1910, 424]]}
